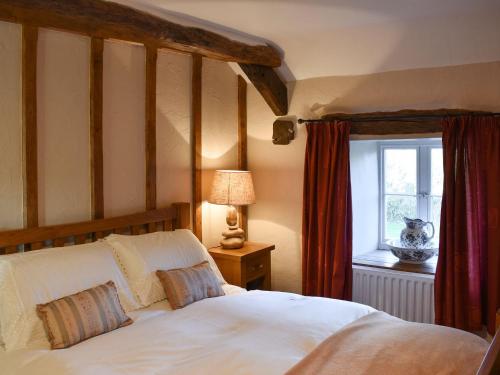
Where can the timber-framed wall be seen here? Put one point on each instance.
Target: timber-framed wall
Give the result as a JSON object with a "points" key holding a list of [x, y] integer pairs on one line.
{"points": [[100, 21]]}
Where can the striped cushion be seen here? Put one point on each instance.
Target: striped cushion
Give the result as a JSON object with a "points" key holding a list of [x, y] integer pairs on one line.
{"points": [[184, 286], [72, 319]]}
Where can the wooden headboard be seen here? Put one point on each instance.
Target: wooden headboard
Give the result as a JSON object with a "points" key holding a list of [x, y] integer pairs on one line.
{"points": [[174, 217]]}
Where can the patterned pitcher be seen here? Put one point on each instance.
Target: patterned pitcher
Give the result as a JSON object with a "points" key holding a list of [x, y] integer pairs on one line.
{"points": [[414, 235]]}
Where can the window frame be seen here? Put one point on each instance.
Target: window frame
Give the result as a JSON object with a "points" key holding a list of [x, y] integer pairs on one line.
{"points": [[423, 190]]}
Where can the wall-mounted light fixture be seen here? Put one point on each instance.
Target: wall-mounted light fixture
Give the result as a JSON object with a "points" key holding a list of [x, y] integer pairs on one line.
{"points": [[283, 132]]}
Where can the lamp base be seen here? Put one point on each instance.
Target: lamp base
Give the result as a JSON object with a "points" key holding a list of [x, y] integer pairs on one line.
{"points": [[233, 238]]}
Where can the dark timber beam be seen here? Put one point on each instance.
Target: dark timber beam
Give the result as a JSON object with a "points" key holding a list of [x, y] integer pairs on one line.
{"points": [[270, 86], [242, 144], [196, 150], [105, 19], [96, 141], [29, 105], [150, 135]]}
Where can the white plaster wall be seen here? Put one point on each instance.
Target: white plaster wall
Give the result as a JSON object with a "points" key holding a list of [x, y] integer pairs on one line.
{"points": [[276, 217], [365, 195], [322, 38], [11, 186], [219, 139], [123, 128], [63, 127], [173, 128]]}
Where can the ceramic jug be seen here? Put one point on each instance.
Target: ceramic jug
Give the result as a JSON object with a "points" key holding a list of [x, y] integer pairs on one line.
{"points": [[414, 235]]}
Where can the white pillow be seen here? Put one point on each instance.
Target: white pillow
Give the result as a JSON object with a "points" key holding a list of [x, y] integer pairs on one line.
{"points": [[28, 279], [141, 256]]}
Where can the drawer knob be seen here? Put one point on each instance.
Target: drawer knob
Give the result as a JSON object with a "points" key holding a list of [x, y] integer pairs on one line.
{"points": [[258, 267]]}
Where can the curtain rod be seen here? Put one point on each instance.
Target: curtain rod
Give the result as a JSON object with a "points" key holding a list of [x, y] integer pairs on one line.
{"points": [[414, 118]]}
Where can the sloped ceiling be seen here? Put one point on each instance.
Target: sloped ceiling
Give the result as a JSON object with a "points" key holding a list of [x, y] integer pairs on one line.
{"points": [[349, 37]]}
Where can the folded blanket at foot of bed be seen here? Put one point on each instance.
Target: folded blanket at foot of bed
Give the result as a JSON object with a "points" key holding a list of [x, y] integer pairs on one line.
{"points": [[382, 344]]}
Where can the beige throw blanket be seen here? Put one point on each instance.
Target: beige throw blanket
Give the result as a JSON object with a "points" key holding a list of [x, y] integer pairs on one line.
{"points": [[382, 344]]}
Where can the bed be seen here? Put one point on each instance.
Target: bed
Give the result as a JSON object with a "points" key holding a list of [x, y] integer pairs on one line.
{"points": [[242, 332]]}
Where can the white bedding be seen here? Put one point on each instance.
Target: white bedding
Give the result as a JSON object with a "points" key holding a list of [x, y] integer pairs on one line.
{"points": [[241, 333]]}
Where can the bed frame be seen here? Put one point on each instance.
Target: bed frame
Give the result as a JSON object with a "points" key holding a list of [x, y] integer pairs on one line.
{"points": [[176, 216]]}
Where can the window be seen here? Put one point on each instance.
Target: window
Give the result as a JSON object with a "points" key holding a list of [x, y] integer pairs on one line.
{"points": [[411, 185]]}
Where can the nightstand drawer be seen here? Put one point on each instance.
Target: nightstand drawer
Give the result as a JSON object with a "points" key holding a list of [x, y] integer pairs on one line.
{"points": [[256, 267], [248, 267]]}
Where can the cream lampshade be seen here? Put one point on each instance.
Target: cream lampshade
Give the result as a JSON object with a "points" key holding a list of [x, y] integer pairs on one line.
{"points": [[232, 188]]}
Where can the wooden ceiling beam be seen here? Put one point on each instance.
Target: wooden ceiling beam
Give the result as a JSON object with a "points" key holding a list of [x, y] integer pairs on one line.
{"points": [[110, 20], [270, 86]]}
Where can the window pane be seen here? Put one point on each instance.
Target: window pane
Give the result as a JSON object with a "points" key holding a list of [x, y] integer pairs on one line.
{"points": [[435, 216], [397, 207], [437, 171], [400, 171]]}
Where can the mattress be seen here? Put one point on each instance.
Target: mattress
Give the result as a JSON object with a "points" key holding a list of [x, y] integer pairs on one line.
{"points": [[254, 332]]}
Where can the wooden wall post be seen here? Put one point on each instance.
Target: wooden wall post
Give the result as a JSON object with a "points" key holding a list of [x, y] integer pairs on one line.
{"points": [[96, 143], [242, 144], [196, 144], [29, 115], [151, 58]]}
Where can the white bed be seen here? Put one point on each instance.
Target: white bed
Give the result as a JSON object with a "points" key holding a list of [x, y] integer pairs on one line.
{"points": [[241, 333]]}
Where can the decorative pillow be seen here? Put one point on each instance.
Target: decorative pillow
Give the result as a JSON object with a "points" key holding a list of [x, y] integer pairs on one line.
{"points": [[140, 256], [41, 276], [184, 286], [78, 317]]}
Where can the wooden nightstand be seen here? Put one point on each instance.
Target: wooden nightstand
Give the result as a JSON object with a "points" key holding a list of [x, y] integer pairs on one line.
{"points": [[248, 267]]}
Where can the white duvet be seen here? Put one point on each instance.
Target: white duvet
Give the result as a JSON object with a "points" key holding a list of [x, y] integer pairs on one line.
{"points": [[244, 333]]}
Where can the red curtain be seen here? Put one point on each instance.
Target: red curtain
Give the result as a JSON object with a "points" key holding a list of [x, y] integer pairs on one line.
{"points": [[467, 286], [327, 212]]}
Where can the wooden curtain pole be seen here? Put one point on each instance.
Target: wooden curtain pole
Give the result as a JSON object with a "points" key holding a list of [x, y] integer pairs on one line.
{"points": [[405, 122]]}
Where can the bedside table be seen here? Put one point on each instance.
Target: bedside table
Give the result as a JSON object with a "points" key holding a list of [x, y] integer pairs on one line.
{"points": [[248, 267]]}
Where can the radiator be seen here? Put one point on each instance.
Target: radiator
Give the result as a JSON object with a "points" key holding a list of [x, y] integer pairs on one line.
{"points": [[409, 296]]}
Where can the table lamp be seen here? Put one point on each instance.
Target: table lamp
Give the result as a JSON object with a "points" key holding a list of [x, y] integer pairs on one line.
{"points": [[232, 188]]}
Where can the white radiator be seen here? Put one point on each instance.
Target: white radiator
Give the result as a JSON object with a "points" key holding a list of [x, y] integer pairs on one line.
{"points": [[408, 296]]}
